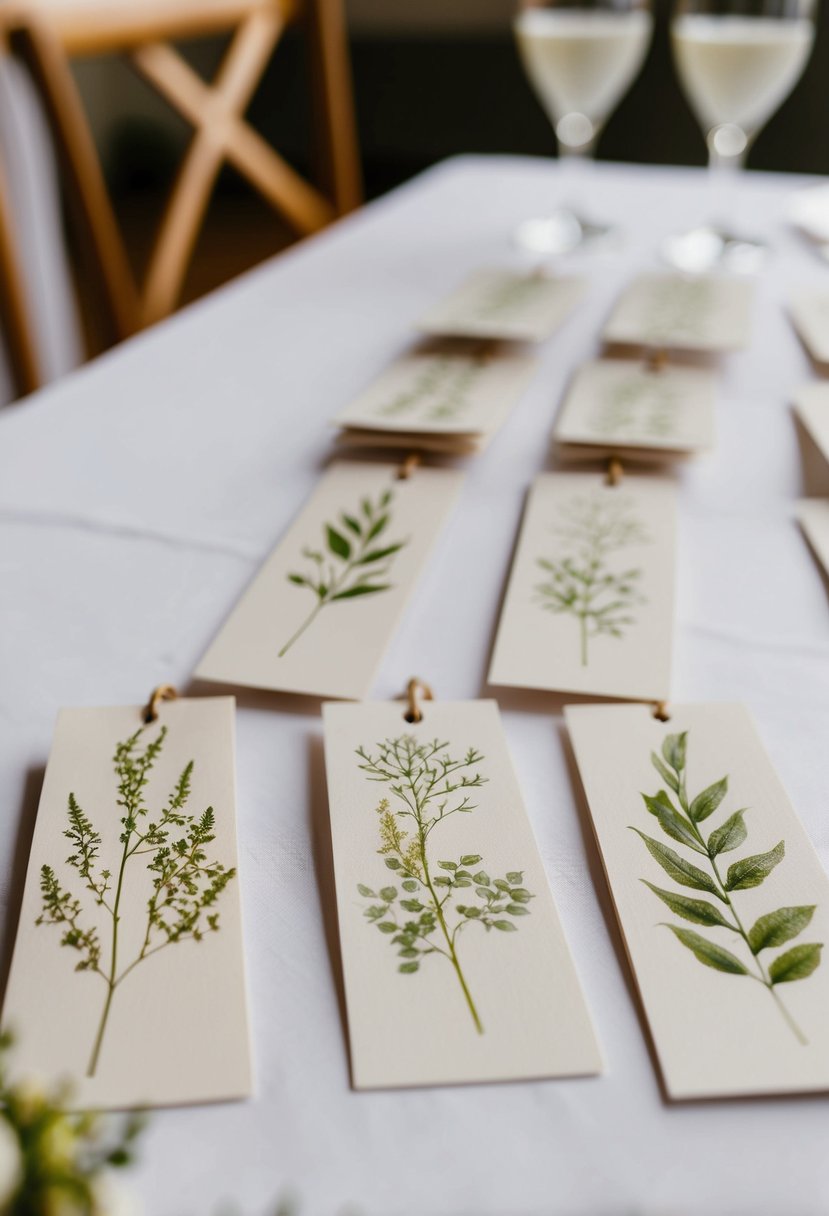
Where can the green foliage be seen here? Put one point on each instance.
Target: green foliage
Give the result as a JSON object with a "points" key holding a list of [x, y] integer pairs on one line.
{"points": [[426, 917], [184, 886], [56, 1163], [581, 582], [681, 822], [350, 565], [440, 390]]}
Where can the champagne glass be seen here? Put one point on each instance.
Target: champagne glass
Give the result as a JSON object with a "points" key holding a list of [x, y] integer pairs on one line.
{"points": [[581, 56], [738, 61]]}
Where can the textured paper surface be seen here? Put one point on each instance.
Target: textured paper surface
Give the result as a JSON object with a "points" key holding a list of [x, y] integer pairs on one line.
{"points": [[811, 405], [503, 304], [716, 1033], [589, 606], [813, 516], [810, 313], [417, 1027], [276, 639], [177, 1026], [618, 404], [705, 313], [459, 388]]}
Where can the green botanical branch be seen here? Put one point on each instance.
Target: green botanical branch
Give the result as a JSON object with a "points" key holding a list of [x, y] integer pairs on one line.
{"points": [[580, 583], [422, 918], [356, 561], [636, 405], [679, 818], [443, 385], [183, 888]]}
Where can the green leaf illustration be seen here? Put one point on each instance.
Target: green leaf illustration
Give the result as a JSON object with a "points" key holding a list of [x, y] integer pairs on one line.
{"points": [[353, 569], [773, 929], [184, 886], [729, 836], [580, 581], [777, 928], [697, 910], [751, 871], [678, 868], [428, 785], [707, 952], [796, 964]]}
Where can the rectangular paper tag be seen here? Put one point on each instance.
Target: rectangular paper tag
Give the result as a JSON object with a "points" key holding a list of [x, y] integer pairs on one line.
{"points": [[616, 404], [590, 602], [443, 388], [455, 964], [497, 303], [720, 895], [813, 516], [128, 973], [810, 313], [705, 313], [811, 405], [321, 611]]}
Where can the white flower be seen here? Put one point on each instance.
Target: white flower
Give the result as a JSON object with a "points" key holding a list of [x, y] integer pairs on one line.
{"points": [[111, 1198]]}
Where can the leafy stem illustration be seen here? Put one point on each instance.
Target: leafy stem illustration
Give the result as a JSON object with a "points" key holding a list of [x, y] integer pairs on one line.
{"points": [[681, 823], [634, 406], [184, 886], [428, 786], [355, 562], [581, 582], [440, 390]]}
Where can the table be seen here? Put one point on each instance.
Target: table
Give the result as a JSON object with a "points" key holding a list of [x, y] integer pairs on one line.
{"points": [[137, 498]]}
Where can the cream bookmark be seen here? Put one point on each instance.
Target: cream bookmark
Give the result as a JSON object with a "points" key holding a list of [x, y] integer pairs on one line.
{"points": [[590, 603], [319, 614], [455, 964], [704, 313], [721, 898], [813, 516], [128, 975], [497, 303]]}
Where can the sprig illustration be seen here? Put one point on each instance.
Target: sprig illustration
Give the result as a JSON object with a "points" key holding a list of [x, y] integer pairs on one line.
{"points": [[581, 582], [633, 406], [428, 786], [440, 390], [682, 824], [677, 309], [183, 886], [356, 561]]}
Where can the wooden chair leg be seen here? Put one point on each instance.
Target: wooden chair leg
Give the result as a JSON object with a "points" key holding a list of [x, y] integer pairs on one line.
{"points": [[86, 189], [14, 305], [335, 124]]}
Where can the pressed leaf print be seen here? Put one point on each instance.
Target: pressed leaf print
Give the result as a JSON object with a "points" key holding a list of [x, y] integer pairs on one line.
{"points": [[440, 391], [355, 560], [585, 581], [430, 901], [634, 406], [165, 855], [680, 817]]}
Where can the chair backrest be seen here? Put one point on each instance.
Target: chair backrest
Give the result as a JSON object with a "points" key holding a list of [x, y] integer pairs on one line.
{"points": [[47, 33]]}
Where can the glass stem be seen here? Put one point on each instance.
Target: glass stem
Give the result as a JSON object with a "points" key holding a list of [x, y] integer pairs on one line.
{"points": [[572, 175], [724, 186]]}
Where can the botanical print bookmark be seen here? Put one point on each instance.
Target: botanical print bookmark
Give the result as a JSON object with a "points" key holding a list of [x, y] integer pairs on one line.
{"points": [[455, 965], [721, 898], [674, 312], [813, 516], [444, 389], [811, 404], [618, 404], [319, 614], [589, 606], [810, 313], [128, 974], [497, 303]]}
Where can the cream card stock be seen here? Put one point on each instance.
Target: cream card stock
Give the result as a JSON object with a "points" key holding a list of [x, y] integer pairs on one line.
{"points": [[505, 304], [590, 602], [455, 964], [674, 312], [813, 515], [809, 311], [128, 975], [319, 614], [811, 405], [721, 898]]}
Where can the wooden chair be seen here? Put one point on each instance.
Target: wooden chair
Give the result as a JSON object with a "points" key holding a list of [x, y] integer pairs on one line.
{"points": [[48, 33]]}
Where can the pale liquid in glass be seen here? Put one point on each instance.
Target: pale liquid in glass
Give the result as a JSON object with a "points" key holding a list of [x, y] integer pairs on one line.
{"points": [[739, 70], [581, 62]]}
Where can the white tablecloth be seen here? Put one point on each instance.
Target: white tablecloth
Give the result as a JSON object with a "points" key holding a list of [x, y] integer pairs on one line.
{"points": [[137, 498]]}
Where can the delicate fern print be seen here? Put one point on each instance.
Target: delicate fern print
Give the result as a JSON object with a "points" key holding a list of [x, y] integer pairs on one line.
{"points": [[681, 819], [355, 561], [634, 406], [581, 583], [183, 888], [428, 786], [440, 391], [678, 310]]}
